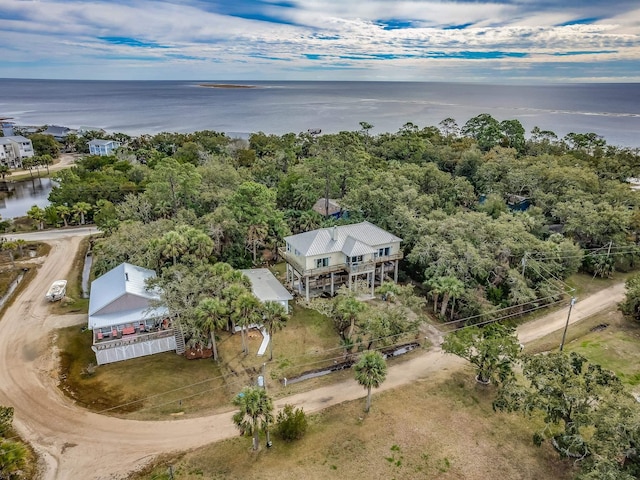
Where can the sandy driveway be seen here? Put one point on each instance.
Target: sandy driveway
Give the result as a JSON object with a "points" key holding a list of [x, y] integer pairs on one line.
{"points": [[77, 444]]}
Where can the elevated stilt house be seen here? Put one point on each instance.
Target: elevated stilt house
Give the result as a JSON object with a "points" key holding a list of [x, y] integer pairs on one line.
{"points": [[125, 319], [324, 259]]}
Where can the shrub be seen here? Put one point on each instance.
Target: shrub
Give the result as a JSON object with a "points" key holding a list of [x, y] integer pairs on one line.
{"points": [[291, 424], [6, 418]]}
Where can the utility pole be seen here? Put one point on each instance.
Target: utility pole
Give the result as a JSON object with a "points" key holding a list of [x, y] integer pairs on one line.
{"points": [[264, 385], [564, 334]]}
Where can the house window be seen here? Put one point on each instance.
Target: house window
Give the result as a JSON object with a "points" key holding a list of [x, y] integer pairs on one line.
{"points": [[322, 262], [356, 259], [384, 251]]}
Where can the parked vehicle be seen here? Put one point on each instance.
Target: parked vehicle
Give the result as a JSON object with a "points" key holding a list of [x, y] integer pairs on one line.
{"points": [[57, 291]]}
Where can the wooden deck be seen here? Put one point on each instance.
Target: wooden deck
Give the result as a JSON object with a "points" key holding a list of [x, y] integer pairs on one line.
{"points": [[361, 267]]}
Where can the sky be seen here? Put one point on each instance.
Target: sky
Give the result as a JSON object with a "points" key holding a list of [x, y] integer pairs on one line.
{"points": [[500, 41]]}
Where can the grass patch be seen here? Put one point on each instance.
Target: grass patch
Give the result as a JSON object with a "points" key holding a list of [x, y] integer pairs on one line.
{"points": [[151, 387], [608, 338], [586, 284], [74, 303], [157, 386], [308, 341], [437, 430]]}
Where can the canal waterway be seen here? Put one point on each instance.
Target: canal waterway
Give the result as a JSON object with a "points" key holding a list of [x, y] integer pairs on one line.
{"points": [[23, 195]]}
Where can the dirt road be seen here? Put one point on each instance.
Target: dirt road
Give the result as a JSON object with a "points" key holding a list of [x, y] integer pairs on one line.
{"points": [[77, 444]]}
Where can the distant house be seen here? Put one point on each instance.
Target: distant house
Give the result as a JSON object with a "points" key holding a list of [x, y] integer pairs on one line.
{"points": [[14, 149], [84, 129], [103, 147], [328, 207], [7, 129], [518, 203], [328, 257], [125, 319], [58, 132], [266, 287]]}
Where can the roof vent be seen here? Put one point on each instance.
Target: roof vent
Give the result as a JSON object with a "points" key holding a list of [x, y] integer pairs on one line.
{"points": [[334, 233], [126, 276]]}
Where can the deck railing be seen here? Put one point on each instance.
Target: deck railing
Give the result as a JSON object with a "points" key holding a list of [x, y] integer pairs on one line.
{"points": [[350, 267], [111, 342]]}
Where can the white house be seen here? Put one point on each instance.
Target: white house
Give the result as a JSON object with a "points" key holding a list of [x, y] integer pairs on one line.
{"points": [[103, 147], [329, 257], [266, 287], [125, 319], [14, 149]]}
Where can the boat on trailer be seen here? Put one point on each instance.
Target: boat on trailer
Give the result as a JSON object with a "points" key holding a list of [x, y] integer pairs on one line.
{"points": [[57, 290]]}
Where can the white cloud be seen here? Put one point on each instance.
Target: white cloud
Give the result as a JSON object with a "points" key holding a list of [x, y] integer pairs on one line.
{"points": [[59, 33]]}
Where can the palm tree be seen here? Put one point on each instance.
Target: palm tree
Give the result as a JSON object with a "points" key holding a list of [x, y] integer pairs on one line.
{"points": [[371, 371], [64, 213], [221, 268], [436, 289], [210, 313], [36, 213], [81, 209], [230, 294], [274, 319], [28, 164], [256, 412], [46, 160], [246, 311], [51, 215], [450, 287], [163, 209], [11, 248], [174, 245], [20, 243], [201, 245], [236, 276]]}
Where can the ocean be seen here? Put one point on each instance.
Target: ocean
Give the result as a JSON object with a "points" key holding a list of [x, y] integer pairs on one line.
{"points": [[137, 107]]}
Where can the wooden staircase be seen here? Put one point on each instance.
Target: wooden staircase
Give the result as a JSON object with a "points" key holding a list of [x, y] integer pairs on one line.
{"points": [[180, 348]]}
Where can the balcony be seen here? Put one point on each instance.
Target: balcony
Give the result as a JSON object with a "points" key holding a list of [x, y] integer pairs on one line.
{"points": [[122, 340], [360, 267]]}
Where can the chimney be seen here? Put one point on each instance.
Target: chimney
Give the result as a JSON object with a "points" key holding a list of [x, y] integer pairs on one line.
{"points": [[334, 233]]}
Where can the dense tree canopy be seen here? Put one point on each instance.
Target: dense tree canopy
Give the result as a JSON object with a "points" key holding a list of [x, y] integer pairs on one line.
{"points": [[489, 219]]}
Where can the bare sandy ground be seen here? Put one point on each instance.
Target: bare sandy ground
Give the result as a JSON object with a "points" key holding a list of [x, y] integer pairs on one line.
{"points": [[77, 444]]}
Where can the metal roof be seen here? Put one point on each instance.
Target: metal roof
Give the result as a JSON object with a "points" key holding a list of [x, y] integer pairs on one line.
{"points": [[334, 239], [13, 139], [353, 247], [265, 286], [100, 142], [57, 130], [120, 283]]}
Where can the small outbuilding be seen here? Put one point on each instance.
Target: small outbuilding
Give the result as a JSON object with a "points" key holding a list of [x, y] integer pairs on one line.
{"points": [[126, 317], [266, 287], [328, 207]]}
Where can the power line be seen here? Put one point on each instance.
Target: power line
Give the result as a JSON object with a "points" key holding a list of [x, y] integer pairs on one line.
{"points": [[537, 300]]}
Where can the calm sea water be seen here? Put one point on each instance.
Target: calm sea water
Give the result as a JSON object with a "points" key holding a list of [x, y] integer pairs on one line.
{"points": [[135, 107]]}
